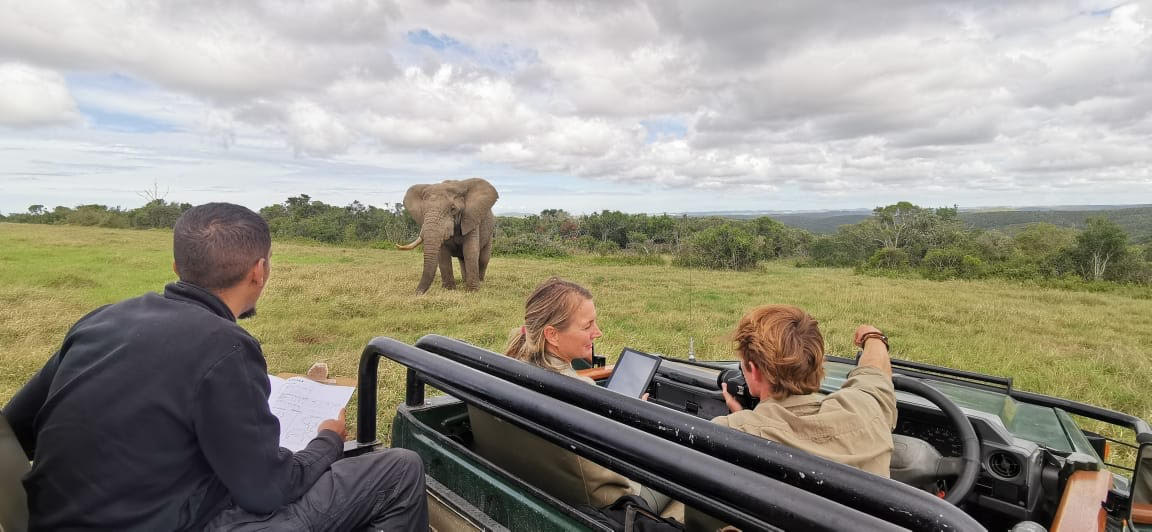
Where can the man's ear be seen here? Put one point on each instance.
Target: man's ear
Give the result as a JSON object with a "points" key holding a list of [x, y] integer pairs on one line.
{"points": [[257, 275], [751, 372]]}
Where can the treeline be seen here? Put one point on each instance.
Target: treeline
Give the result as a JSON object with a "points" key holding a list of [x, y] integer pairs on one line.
{"points": [[899, 239], [937, 244]]}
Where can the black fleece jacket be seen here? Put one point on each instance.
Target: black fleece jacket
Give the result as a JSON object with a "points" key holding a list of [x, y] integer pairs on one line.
{"points": [[154, 416]]}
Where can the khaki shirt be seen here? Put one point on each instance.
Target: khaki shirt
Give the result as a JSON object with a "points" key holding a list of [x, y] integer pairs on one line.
{"points": [[852, 426]]}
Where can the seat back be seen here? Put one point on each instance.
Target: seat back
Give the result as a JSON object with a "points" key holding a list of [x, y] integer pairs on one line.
{"points": [[13, 466], [559, 472]]}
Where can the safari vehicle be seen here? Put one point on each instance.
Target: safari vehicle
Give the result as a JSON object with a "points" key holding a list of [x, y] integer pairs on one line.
{"points": [[972, 453]]}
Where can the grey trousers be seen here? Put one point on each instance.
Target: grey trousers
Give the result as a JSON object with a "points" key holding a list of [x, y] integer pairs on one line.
{"points": [[383, 490]]}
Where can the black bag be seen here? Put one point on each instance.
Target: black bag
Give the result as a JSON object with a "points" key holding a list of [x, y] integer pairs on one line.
{"points": [[630, 513]]}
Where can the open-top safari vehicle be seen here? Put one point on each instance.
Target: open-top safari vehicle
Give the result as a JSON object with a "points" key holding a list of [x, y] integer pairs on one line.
{"points": [[971, 452]]}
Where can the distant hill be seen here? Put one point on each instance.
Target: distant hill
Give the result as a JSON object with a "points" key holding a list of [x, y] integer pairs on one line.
{"points": [[1135, 219]]}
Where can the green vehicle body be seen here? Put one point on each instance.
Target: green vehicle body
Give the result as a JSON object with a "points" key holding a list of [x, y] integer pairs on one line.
{"points": [[472, 493]]}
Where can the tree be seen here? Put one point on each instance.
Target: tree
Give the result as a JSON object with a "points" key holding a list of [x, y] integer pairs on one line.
{"points": [[1043, 240], [896, 222], [1101, 242], [36, 210]]}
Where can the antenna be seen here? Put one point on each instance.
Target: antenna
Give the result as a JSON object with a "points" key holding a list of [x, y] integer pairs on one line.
{"points": [[691, 349]]}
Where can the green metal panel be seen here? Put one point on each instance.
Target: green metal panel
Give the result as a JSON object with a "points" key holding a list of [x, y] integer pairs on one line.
{"points": [[503, 501]]}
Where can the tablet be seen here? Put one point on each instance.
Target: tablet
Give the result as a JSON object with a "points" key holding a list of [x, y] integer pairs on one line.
{"points": [[633, 373]]}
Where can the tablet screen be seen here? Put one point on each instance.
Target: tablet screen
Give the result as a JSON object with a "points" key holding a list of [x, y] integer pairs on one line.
{"points": [[633, 373]]}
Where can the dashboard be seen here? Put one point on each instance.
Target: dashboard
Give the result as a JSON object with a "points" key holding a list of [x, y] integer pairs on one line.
{"points": [[942, 437]]}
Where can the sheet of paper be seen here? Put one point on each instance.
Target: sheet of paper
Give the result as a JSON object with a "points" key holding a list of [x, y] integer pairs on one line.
{"points": [[301, 404]]}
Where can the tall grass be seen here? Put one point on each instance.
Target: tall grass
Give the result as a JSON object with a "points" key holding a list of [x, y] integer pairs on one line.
{"points": [[325, 303]]}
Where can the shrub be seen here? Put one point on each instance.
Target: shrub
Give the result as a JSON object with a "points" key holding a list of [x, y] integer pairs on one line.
{"points": [[97, 215], [627, 259], [157, 214], [606, 247], [530, 245], [586, 243], [723, 247], [888, 259], [952, 263]]}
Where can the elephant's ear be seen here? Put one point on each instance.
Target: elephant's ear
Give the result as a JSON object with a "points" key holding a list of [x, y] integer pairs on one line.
{"points": [[414, 202], [478, 202]]}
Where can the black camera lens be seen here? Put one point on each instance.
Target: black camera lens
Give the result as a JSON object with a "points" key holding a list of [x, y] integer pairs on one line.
{"points": [[737, 387]]}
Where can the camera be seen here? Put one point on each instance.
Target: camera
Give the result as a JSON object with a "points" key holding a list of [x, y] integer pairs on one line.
{"points": [[737, 387]]}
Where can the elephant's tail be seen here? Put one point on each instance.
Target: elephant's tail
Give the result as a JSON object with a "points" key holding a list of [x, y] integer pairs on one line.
{"points": [[414, 243]]}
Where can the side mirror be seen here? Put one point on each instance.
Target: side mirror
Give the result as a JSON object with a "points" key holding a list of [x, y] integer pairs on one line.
{"points": [[1141, 514]]}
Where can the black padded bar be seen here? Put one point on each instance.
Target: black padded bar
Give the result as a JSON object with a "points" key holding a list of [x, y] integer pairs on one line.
{"points": [[888, 499]]}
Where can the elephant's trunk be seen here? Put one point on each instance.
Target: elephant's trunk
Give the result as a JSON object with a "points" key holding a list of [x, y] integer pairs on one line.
{"points": [[431, 260], [414, 243]]}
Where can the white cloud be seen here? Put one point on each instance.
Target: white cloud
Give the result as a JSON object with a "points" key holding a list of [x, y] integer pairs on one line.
{"points": [[31, 96], [918, 99]]}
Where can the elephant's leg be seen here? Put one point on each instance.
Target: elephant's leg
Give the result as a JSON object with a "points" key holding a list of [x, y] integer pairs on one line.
{"points": [[485, 254], [447, 278], [471, 261]]}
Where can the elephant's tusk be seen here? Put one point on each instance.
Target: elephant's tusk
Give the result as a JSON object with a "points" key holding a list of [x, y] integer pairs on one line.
{"points": [[414, 243]]}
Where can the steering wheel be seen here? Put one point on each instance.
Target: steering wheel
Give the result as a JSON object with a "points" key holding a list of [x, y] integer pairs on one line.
{"points": [[925, 462]]}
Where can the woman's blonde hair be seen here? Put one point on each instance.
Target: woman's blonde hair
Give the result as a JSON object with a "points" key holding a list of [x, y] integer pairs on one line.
{"points": [[552, 303]]}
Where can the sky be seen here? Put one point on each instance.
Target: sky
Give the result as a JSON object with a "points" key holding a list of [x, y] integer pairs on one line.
{"points": [[641, 106]]}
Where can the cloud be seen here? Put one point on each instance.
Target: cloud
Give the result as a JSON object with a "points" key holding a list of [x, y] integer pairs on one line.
{"points": [[907, 97], [34, 96]]}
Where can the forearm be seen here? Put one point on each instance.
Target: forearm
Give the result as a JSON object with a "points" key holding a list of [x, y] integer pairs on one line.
{"points": [[875, 355]]}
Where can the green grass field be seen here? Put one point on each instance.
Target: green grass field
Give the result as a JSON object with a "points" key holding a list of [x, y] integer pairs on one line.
{"points": [[325, 303]]}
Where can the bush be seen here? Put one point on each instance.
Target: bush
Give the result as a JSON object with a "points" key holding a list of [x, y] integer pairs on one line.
{"points": [[606, 247], [586, 243], [723, 247], [952, 263], [157, 214], [627, 259], [888, 259], [529, 245], [97, 215]]}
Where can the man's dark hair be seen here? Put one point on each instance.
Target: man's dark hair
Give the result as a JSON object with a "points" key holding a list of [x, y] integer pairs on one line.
{"points": [[216, 244]]}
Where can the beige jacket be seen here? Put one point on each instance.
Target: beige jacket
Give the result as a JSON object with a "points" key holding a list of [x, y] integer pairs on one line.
{"points": [[852, 426]]}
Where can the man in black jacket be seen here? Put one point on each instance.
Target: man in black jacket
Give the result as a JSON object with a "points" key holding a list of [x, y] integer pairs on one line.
{"points": [[153, 415]]}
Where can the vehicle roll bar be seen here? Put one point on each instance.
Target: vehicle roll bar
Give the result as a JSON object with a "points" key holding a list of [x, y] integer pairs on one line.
{"points": [[728, 491], [895, 502]]}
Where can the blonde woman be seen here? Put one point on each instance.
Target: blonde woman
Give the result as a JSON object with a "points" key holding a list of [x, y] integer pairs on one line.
{"points": [[559, 327]]}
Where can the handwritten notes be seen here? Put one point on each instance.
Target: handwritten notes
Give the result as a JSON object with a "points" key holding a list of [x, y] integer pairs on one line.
{"points": [[301, 404]]}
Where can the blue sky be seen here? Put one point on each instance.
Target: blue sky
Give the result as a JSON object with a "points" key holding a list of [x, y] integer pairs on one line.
{"points": [[637, 106]]}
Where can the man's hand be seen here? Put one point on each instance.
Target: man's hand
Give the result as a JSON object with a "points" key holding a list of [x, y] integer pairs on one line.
{"points": [[875, 352], [335, 425], [861, 331], [733, 405]]}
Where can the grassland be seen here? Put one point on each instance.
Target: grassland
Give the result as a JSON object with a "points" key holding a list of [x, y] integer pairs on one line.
{"points": [[325, 303]]}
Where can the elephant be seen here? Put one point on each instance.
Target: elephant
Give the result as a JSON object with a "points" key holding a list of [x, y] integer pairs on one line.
{"points": [[455, 219]]}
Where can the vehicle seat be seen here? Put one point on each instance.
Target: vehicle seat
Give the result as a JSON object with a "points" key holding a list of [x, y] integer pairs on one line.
{"points": [[559, 472], [13, 467]]}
